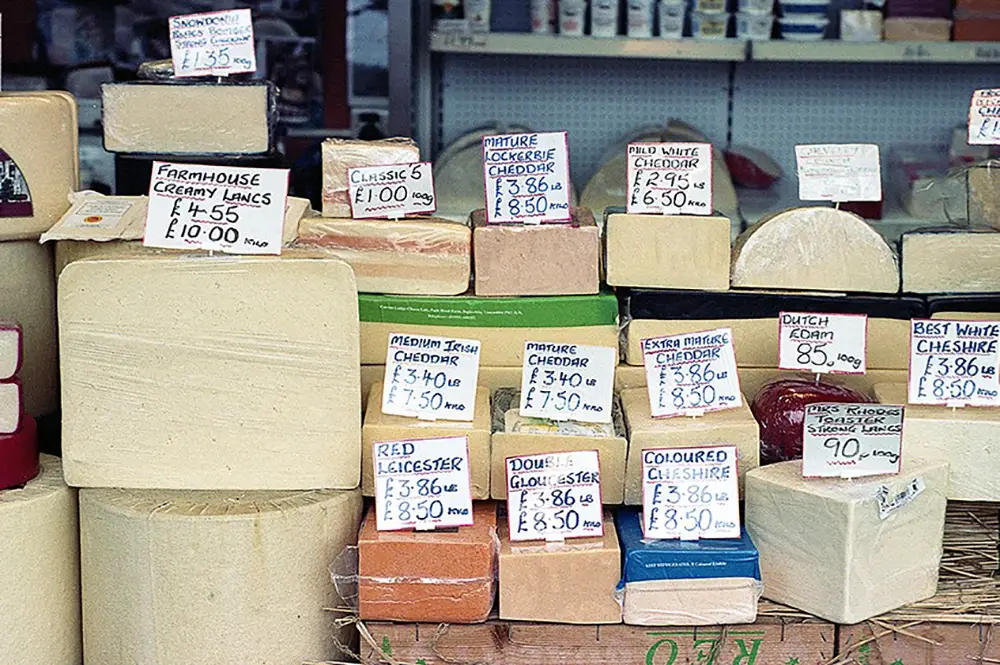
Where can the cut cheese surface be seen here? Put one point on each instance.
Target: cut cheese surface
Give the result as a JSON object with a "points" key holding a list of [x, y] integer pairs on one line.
{"points": [[11, 406], [984, 202], [951, 262], [156, 117], [210, 373], [821, 249], [339, 155], [214, 578], [10, 349]]}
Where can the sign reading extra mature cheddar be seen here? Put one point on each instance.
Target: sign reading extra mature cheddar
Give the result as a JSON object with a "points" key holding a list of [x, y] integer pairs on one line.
{"points": [[431, 378]]}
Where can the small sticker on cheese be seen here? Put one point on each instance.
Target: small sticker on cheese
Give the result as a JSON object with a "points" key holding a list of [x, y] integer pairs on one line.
{"points": [[888, 503]]}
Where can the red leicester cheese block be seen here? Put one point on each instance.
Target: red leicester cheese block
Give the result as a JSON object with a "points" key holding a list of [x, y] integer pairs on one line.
{"points": [[19, 455]]}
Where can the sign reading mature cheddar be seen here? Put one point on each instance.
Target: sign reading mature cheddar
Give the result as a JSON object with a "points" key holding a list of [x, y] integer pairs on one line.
{"points": [[431, 378], [839, 172], [954, 363], [229, 209], [567, 382], [527, 178], [391, 192], [212, 44], [851, 440], [984, 117], [669, 178], [823, 343], [691, 374], [554, 496]]}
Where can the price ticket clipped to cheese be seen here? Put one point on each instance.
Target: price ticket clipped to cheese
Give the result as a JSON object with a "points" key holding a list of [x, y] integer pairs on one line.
{"points": [[690, 493], [391, 192], [822, 343], [839, 172], [527, 178], [554, 496], [984, 117], [851, 440], [220, 208], [669, 178], [568, 382], [954, 363], [431, 378], [691, 374], [212, 44], [422, 484]]}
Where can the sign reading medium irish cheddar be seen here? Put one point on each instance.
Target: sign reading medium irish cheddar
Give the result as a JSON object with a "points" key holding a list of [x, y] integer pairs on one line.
{"points": [[431, 378]]}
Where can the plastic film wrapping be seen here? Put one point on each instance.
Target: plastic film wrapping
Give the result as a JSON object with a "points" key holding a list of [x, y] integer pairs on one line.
{"points": [[339, 155]]}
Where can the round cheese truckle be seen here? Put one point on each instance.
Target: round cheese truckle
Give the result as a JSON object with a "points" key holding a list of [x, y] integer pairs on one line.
{"points": [[19, 454], [814, 249], [780, 409]]}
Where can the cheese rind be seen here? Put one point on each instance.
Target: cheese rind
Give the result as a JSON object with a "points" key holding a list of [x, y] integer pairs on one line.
{"points": [[11, 343], [339, 155], [951, 262], [11, 406]]}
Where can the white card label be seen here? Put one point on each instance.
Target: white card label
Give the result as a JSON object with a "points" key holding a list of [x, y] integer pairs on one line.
{"points": [[823, 343], [212, 44], [554, 496], [391, 192], [851, 440], [984, 117], [222, 208], [888, 503], [954, 363], [431, 378], [527, 178], [839, 172], [691, 374], [99, 214], [422, 484], [690, 493], [568, 382], [669, 178]]}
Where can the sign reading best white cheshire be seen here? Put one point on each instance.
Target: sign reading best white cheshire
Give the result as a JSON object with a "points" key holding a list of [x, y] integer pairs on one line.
{"points": [[954, 363]]}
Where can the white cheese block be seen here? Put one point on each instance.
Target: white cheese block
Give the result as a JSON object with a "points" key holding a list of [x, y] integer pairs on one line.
{"points": [[339, 155], [212, 578], [10, 349], [848, 550], [951, 262], [210, 373], [40, 560], [11, 404], [821, 249]]}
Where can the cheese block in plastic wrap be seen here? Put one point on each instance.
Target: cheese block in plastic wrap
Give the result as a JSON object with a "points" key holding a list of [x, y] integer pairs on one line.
{"points": [[404, 257], [210, 373], [339, 155], [848, 550], [40, 560], [818, 249], [213, 578], [951, 260]]}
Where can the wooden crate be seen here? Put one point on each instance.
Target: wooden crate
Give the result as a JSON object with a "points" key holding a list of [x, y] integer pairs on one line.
{"points": [[898, 644], [433, 644]]}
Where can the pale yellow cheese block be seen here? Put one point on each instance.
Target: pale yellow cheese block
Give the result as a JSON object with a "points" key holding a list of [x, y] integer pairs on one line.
{"points": [[691, 601], [214, 578], [339, 155], [951, 262]]}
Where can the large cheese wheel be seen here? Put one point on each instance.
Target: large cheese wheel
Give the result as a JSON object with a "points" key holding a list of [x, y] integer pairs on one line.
{"points": [[818, 249], [40, 569], [212, 578]]}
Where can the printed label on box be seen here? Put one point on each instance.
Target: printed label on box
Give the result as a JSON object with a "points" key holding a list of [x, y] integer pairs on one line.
{"points": [[691, 374], [669, 179], [391, 192], [839, 172], [568, 382], [823, 343], [851, 440], [554, 496], [431, 378], [954, 363], [527, 178], [212, 44]]}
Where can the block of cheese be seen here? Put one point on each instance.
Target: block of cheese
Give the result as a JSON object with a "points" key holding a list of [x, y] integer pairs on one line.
{"points": [[19, 454], [917, 29], [502, 325], [40, 560], [210, 373], [537, 259], [490, 378], [686, 583], [11, 406], [404, 257], [819, 249], [445, 576], [379, 427], [339, 155], [183, 117], [508, 441], [950, 260], [39, 161], [731, 427], [753, 318], [214, 578], [667, 251], [984, 202], [848, 550], [10, 349], [569, 582]]}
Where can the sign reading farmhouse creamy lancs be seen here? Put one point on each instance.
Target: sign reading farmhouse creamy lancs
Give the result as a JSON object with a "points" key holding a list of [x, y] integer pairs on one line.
{"points": [[984, 117], [690, 374], [669, 178], [954, 363], [391, 192], [431, 378], [212, 44], [222, 208], [422, 484], [690, 493], [554, 496], [567, 382], [839, 172], [851, 440], [822, 343], [527, 178]]}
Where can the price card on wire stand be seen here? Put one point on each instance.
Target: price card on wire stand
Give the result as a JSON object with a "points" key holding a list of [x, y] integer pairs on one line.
{"points": [[212, 44], [691, 374], [229, 209], [851, 440], [823, 343], [422, 484], [839, 172], [568, 381], [391, 192], [954, 363], [431, 378], [527, 178], [984, 117], [554, 496], [690, 493], [669, 178]]}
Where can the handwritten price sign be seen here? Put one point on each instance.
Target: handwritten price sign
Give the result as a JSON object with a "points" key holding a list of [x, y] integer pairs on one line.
{"points": [[212, 44], [391, 192], [851, 440], [567, 382], [984, 117], [691, 374], [954, 363], [670, 178], [527, 178], [822, 343], [554, 496], [839, 172], [432, 378]]}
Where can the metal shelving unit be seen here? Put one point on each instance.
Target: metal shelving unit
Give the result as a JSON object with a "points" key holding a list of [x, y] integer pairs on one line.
{"points": [[832, 50]]}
